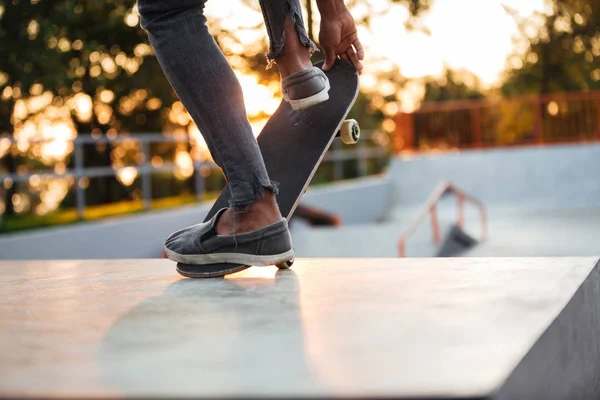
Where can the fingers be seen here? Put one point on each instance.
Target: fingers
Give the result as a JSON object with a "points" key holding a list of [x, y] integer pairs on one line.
{"points": [[352, 51], [353, 58], [349, 49], [350, 55], [359, 49], [330, 57]]}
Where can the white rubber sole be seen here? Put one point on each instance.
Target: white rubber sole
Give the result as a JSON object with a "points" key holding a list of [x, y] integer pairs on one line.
{"points": [[231, 258], [307, 102]]}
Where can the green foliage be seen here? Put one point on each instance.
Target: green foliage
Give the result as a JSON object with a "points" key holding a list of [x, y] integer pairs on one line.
{"points": [[71, 46], [453, 85], [442, 129], [562, 51]]}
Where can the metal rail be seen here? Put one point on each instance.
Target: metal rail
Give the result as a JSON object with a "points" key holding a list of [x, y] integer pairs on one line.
{"points": [[430, 210], [338, 154]]}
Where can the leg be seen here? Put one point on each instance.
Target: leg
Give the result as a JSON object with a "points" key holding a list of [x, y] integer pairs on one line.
{"points": [[290, 48], [207, 86]]}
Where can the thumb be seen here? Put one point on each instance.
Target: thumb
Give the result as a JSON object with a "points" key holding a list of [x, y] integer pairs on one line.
{"points": [[329, 59]]}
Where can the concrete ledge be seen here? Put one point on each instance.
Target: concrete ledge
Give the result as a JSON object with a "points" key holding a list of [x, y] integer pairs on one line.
{"points": [[357, 201], [135, 236], [143, 235], [565, 362], [537, 178], [450, 328]]}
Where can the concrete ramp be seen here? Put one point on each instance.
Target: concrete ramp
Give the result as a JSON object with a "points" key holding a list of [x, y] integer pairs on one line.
{"points": [[445, 328]]}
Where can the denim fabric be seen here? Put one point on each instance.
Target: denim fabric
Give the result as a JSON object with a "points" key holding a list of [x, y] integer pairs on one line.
{"points": [[275, 13], [204, 81]]}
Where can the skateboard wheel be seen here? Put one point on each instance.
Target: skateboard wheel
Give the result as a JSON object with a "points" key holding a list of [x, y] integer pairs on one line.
{"points": [[285, 264], [350, 131]]}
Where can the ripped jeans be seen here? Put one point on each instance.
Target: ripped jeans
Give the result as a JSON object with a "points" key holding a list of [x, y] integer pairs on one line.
{"points": [[207, 86]]}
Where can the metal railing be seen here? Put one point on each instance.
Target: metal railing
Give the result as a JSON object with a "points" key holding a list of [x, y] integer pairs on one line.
{"points": [[430, 210], [337, 155], [487, 123]]}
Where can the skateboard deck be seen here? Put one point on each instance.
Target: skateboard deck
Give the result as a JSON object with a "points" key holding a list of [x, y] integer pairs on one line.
{"points": [[293, 144]]}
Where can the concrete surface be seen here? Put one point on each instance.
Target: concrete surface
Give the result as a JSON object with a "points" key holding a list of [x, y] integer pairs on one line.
{"points": [[142, 235], [512, 232], [381, 239], [552, 233], [435, 328], [535, 178]]}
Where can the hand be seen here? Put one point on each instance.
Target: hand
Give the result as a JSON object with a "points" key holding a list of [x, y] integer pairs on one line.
{"points": [[339, 37]]}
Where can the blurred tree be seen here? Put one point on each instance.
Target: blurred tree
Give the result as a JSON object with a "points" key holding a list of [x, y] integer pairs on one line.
{"points": [[562, 50], [453, 85], [447, 128], [93, 58]]}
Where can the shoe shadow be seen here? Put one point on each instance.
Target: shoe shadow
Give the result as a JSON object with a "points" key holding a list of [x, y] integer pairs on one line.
{"points": [[215, 337]]}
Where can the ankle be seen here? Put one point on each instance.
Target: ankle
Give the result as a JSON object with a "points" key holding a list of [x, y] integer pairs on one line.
{"points": [[292, 65], [262, 213], [266, 205], [296, 56]]}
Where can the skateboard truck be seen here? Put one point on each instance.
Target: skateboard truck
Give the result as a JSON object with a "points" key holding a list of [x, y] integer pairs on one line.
{"points": [[349, 132]]}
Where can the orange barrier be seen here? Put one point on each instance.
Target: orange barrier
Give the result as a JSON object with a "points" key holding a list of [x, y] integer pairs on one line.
{"points": [[500, 122]]}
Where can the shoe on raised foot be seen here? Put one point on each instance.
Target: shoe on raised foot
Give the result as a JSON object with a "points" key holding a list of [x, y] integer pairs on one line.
{"points": [[305, 88]]}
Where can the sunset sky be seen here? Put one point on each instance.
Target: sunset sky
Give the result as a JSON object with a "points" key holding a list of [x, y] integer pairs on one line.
{"points": [[471, 34]]}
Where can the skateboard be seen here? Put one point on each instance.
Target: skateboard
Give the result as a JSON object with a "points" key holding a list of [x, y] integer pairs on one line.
{"points": [[293, 144]]}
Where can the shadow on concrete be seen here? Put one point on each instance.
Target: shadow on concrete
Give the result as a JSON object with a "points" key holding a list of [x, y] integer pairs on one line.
{"points": [[210, 337]]}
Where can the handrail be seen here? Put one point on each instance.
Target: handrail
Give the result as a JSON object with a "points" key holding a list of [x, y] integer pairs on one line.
{"points": [[431, 210]]}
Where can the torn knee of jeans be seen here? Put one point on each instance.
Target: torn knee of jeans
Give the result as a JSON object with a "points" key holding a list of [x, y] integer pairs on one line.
{"points": [[278, 43]]}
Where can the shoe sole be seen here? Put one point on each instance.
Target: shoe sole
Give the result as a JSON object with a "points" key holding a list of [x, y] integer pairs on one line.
{"points": [[230, 258], [218, 272]]}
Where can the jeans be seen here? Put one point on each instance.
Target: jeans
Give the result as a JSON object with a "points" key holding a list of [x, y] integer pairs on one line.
{"points": [[205, 83]]}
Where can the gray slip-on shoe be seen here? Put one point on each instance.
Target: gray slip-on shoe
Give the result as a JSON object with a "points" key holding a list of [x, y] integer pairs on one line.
{"points": [[199, 244], [305, 88]]}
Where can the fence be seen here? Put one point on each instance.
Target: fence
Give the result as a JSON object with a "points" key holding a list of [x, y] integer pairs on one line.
{"points": [[530, 120], [366, 149]]}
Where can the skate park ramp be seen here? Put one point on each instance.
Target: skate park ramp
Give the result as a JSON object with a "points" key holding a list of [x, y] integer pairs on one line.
{"points": [[410, 229], [142, 235], [541, 201], [511, 233], [552, 233], [413, 328], [353, 320]]}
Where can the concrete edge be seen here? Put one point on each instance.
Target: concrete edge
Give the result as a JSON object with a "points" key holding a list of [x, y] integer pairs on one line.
{"points": [[564, 363]]}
